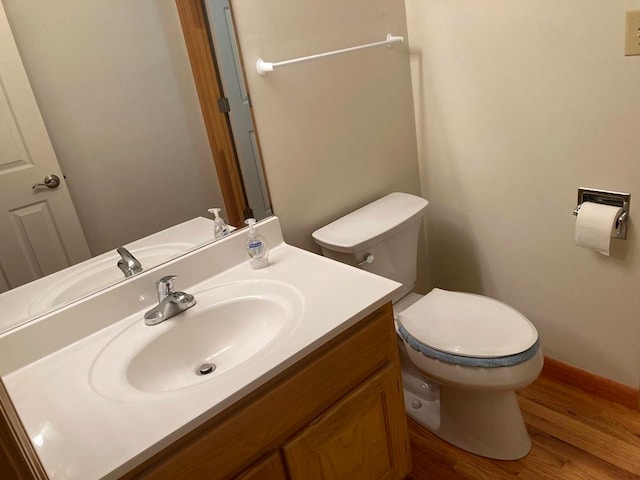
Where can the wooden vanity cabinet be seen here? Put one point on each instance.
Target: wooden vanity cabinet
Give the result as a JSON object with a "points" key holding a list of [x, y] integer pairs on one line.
{"points": [[336, 414], [352, 439], [270, 468]]}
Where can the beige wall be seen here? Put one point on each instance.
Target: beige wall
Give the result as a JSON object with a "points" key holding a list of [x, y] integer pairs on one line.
{"points": [[114, 86], [337, 132], [518, 103]]}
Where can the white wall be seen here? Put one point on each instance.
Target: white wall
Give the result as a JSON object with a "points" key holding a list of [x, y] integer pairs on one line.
{"points": [[335, 133], [518, 103], [114, 85]]}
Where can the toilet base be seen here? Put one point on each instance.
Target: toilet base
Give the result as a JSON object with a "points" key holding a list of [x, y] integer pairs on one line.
{"points": [[487, 423]]}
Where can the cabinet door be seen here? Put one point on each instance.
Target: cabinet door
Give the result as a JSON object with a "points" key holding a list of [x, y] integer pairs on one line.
{"points": [[362, 437], [270, 468]]}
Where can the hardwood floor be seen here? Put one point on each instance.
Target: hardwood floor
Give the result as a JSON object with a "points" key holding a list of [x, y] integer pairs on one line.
{"points": [[575, 436]]}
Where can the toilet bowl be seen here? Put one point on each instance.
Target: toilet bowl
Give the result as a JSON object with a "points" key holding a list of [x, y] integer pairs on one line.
{"points": [[463, 355], [472, 353]]}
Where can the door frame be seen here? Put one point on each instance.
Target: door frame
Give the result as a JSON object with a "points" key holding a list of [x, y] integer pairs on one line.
{"points": [[193, 20], [226, 48]]}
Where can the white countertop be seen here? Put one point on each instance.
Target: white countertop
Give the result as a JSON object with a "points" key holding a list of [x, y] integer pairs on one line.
{"points": [[80, 434]]}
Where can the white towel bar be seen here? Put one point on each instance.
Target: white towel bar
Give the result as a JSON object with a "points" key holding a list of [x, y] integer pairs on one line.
{"points": [[264, 67]]}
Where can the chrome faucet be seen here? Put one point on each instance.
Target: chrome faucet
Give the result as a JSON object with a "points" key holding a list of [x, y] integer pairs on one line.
{"points": [[128, 263], [170, 303]]}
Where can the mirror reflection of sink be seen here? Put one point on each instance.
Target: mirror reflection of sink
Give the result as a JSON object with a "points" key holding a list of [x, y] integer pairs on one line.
{"points": [[230, 325], [76, 282]]}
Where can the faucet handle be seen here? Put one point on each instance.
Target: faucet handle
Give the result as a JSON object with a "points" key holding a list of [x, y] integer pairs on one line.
{"points": [[128, 263], [164, 287]]}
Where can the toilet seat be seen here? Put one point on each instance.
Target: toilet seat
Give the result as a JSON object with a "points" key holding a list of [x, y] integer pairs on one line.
{"points": [[468, 329]]}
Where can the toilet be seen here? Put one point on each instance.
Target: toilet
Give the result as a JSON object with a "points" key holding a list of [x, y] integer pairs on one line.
{"points": [[463, 355]]}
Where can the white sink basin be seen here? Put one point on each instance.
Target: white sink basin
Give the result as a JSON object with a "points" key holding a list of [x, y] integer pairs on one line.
{"points": [[230, 325]]}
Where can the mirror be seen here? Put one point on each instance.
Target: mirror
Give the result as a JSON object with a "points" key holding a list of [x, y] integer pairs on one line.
{"points": [[115, 89]]}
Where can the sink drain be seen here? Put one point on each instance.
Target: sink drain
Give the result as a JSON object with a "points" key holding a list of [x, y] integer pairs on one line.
{"points": [[205, 369]]}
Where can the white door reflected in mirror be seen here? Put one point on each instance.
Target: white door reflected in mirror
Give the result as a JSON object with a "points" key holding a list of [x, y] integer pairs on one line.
{"points": [[41, 233]]}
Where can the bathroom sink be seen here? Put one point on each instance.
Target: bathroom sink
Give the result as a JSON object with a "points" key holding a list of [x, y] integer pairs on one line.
{"points": [[88, 277], [230, 325]]}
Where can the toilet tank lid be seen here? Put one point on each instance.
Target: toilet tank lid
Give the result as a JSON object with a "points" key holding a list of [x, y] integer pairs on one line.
{"points": [[371, 223]]}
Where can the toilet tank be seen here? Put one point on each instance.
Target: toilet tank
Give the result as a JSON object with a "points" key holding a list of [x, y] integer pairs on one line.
{"points": [[388, 229]]}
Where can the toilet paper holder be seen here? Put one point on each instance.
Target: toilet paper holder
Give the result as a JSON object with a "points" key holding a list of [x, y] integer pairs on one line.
{"points": [[608, 197]]}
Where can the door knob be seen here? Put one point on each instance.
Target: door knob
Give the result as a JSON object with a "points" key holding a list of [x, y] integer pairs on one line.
{"points": [[50, 181]]}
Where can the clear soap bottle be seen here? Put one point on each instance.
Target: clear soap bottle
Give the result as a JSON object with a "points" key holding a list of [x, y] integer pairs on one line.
{"points": [[220, 229], [256, 247]]}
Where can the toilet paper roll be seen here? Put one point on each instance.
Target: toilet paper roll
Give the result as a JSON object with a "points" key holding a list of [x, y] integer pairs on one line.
{"points": [[595, 226]]}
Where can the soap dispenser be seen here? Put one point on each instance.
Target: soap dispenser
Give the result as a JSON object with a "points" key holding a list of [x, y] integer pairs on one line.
{"points": [[256, 247], [220, 229]]}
